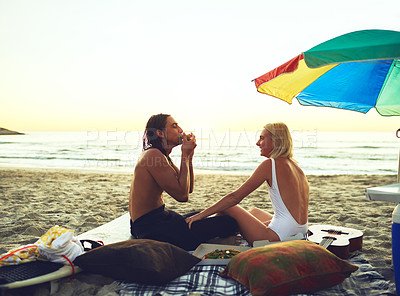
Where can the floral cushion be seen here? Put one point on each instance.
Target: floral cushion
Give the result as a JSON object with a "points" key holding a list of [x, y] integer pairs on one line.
{"points": [[288, 268]]}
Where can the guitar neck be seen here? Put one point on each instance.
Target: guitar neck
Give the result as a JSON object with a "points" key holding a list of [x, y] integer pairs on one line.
{"points": [[338, 240], [326, 242]]}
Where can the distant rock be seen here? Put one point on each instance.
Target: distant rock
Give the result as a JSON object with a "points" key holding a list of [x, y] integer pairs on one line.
{"points": [[4, 131]]}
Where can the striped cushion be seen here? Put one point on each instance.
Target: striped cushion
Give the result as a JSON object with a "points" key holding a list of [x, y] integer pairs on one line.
{"points": [[288, 268]]}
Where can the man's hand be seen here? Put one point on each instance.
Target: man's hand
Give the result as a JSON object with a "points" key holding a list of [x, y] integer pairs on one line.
{"points": [[188, 145]]}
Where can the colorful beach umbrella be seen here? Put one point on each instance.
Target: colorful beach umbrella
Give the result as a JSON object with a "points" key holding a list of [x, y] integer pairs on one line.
{"points": [[356, 71]]}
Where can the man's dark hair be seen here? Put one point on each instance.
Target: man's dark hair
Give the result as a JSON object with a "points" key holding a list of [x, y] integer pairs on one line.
{"points": [[150, 137]]}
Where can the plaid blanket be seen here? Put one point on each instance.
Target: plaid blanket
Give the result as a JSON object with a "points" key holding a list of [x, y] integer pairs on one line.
{"points": [[201, 280], [205, 281], [364, 282]]}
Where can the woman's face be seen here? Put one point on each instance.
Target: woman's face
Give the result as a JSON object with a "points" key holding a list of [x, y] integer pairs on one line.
{"points": [[265, 143]]}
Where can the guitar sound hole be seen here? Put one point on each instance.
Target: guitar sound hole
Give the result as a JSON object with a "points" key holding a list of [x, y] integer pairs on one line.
{"points": [[330, 237]]}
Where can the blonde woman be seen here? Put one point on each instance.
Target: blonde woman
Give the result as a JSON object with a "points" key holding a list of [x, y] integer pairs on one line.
{"points": [[288, 188]]}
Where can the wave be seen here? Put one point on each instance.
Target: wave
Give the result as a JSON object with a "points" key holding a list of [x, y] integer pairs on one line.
{"points": [[229, 169], [26, 157], [321, 156], [366, 147], [386, 170], [59, 158]]}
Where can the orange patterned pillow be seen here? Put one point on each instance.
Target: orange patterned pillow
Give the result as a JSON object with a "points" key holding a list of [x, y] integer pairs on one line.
{"points": [[288, 268]]}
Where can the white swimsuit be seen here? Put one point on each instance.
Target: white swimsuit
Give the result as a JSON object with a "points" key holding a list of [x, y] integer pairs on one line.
{"points": [[282, 223]]}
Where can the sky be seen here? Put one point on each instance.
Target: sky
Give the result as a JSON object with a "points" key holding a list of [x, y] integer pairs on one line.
{"points": [[109, 65]]}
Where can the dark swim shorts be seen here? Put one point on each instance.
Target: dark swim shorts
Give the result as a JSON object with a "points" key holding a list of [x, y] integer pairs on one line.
{"points": [[169, 226]]}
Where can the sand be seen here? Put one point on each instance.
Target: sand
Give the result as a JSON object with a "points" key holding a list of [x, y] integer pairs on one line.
{"points": [[33, 200]]}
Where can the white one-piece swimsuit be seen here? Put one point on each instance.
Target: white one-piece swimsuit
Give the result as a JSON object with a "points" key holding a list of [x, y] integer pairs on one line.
{"points": [[282, 223]]}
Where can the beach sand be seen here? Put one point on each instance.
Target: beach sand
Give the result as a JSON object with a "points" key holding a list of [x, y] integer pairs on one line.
{"points": [[33, 200]]}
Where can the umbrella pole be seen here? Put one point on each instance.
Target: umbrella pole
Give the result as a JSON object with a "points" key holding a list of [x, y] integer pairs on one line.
{"points": [[398, 169]]}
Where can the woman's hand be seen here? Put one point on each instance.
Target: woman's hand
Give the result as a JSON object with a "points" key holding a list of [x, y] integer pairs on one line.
{"points": [[193, 218]]}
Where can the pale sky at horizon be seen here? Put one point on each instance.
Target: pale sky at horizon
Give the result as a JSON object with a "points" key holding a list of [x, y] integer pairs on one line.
{"points": [[110, 65]]}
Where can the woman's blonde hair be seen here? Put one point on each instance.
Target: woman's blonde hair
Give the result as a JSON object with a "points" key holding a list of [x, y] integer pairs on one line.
{"points": [[281, 138]]}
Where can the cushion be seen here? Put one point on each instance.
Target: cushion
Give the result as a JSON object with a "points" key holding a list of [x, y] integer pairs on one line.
{"points": [[138, 260], [286, 268]]}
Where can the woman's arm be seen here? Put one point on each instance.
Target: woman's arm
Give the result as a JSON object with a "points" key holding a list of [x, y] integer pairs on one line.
{"points": [[260, 175]]}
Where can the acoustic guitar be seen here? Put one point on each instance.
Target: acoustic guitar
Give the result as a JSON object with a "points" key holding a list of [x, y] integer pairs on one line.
{"points": [[339, 240]]}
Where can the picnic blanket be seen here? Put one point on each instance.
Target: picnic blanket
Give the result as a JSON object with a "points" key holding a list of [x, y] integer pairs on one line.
{"points": [[205, 280]]}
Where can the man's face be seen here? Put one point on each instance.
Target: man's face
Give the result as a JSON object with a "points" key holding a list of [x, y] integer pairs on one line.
{"points": [[172, 132]]}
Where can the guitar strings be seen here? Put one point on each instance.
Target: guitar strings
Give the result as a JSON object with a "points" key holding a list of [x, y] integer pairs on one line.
{"points": [[327, 241]]}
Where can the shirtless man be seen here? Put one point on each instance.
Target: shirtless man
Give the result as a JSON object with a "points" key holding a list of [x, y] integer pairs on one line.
{"points": [[155, 173]]}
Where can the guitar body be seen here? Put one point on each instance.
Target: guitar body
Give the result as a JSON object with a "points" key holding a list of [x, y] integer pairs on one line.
{"points": [[338, 240]]}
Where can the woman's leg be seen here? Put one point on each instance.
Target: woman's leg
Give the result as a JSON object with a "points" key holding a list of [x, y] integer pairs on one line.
{"points": [[250, 226], [261, 215]]}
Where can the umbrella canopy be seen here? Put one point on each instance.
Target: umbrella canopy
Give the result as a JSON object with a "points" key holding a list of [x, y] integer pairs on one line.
{"points": [[356, 71]]}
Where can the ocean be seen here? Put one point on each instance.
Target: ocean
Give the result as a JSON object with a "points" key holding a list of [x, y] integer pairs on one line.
{"points": [[318, 153]]}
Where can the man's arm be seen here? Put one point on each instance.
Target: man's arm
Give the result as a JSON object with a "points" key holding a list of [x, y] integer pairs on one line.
{"points": [[191, 177], [175, 182], [191, 174], [191, 139], [170, 180]]}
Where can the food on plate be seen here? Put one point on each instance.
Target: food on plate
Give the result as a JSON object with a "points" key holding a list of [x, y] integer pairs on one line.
{"points": [[221, 254]]}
